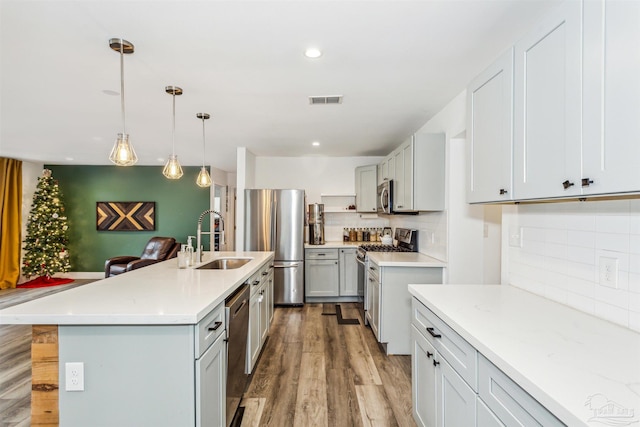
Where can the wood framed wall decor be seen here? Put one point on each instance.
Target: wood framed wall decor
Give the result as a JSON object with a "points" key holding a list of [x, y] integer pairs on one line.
{"points": [[125, 216]]}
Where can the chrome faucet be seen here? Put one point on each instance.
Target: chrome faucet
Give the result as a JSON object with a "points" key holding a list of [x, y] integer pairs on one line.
{"points": [[210, 233]]}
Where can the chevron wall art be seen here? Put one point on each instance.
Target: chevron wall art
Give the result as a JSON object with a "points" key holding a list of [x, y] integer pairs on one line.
{"points": [[125, 216]]}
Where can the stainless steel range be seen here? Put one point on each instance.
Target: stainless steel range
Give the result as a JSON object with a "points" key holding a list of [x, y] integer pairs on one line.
{"points": [[407, 241]]}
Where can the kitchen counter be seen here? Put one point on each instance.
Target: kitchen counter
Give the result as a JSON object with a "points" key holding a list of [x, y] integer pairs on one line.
{"points": [[404, 259], [562, 357], [333, 245], [157, 294]]}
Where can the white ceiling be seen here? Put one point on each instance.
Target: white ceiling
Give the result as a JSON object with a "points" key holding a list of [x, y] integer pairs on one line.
{"points": [[397, 63]]}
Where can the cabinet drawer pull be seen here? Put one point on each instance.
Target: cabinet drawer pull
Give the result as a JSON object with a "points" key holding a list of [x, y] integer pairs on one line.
{"points": [[400, 206], [216, 326], [433, 333], [429, 354], [567, 184], [264, 273], [586, 182], [435, 363], [503, 191], [257, 282]]}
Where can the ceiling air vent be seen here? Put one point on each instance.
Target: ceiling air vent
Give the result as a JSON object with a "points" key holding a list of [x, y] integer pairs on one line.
{"points": [[331, 99]]}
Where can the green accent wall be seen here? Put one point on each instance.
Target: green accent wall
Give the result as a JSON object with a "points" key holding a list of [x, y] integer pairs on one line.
{"points": [[179, 204]]}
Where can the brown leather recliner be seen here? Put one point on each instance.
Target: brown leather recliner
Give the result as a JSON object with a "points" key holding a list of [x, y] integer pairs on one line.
{"points": [[157, 249]]}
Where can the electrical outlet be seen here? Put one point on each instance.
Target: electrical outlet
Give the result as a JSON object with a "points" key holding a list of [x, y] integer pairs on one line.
{"points": [[609, 272], [74, 376]]}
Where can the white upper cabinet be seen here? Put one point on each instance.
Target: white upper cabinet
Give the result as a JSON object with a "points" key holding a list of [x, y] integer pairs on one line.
{"points": [[366, 188], [611, 124], [490, 132], [403, 181], [547, 106]]}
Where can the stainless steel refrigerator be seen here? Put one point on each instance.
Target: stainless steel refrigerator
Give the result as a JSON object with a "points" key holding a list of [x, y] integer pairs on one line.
{"points": [[274, 221]]}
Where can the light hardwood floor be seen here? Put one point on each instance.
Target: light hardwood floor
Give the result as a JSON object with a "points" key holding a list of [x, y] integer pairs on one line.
{"points": [[312, 372], [316, 372]]}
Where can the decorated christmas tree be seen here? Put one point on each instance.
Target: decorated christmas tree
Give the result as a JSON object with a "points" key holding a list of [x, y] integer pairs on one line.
{"points": [[46, 242]]}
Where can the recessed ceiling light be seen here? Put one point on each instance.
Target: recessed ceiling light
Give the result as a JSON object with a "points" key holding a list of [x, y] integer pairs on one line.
{"points": [[313, 52], [315, 143]]}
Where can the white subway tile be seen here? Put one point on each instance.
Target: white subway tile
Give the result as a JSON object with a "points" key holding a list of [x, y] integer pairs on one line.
{"points": [[555, 294], [585, 288], [634, 302], [585, 239], [612, 242], [634, 321], [612, 224], [582, 222], [581, 302], [612, 313], [612, 207], [581, 271], [634, 263], [617, 297], [634, 244], [555, 235], [634, 283], [581, 255]]}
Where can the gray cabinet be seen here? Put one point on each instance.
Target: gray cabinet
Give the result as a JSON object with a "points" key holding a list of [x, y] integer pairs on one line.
{"points": [[366, 188], [490, 132], [260, 313], [321, 273], [547, 106], [211, 385], [457, 386], [348, 272]]}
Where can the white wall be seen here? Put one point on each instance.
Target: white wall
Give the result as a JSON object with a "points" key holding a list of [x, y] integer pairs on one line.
{"points": [[315, 175], [562, 244], [454, 236], [245, 177]]}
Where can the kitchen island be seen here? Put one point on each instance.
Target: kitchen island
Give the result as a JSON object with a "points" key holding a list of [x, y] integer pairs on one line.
{"points": [[140, 338], [516, 358]]}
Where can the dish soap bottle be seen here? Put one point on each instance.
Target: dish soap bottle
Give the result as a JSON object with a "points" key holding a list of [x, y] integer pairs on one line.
{"points": [[189, 249]]}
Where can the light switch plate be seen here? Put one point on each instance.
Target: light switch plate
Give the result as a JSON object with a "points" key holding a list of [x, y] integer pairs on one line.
{"points": [[515, 237]]}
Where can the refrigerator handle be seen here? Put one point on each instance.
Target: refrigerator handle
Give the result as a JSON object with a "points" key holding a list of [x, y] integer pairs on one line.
{"points": [[274, 226], [289, 265]]}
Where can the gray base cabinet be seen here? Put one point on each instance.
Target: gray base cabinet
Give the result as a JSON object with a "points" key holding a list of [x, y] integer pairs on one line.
{"points": [[211, 383], [260, 313], [454, 385], [331, 273], [388, 302]]}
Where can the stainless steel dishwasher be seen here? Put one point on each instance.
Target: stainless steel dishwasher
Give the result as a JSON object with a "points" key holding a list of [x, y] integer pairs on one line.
{"points": [[237, 320]]}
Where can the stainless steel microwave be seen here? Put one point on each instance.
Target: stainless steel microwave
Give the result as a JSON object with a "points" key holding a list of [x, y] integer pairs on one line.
{"points": [[385, 197]]}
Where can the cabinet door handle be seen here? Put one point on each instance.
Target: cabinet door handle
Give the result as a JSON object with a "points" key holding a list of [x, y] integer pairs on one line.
{"points": [[503, 191], [216, 326], [567, 184], [433, 333], [321, 254], [429, 354], [586, 182], [400, 206], [435, 363], [264, 273], [257, 282]]}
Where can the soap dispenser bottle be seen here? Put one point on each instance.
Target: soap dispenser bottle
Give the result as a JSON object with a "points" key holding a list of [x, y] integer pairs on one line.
{"points": [[190, 253]]}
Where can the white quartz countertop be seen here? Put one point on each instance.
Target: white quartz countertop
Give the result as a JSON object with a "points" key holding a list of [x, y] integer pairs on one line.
{"points": [[404, 259], [334, 245], [157, 294], [570, 361]]}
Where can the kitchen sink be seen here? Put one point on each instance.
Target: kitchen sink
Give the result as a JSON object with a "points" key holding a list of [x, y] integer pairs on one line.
{"points": [[224, 264]]}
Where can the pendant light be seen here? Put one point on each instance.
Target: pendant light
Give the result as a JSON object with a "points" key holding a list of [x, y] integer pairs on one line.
{"points": [[122, 153], [172, 169], [204, 179]]}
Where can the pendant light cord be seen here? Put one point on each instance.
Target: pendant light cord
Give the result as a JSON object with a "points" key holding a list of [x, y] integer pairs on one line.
{"points": [[173, 133], [203, 142], [124, 123]]}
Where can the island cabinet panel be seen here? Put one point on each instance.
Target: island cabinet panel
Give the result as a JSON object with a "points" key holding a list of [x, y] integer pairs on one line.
{"points": [[44, 381], [134, 375]]}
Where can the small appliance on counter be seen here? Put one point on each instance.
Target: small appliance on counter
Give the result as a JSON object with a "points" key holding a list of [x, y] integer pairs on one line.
{"points": [[316, 224]]}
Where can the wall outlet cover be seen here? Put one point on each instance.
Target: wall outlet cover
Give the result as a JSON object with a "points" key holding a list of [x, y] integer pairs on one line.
{"points": [[74, 376], [608, 270]]}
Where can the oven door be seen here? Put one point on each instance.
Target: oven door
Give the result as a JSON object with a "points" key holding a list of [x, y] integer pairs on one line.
{"points": [[385, 197]]}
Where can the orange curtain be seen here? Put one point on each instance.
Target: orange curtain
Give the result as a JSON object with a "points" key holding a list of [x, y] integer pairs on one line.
{"points": [[11, 224]]}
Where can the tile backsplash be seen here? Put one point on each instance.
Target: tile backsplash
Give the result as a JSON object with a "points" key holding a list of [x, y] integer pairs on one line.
{"points": [[582, 254]]}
